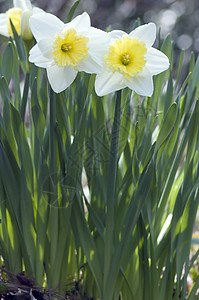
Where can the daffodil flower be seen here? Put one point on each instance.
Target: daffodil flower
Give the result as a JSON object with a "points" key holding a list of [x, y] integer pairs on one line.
{"points": [[131, 61], [65, 49], [19, 15]]}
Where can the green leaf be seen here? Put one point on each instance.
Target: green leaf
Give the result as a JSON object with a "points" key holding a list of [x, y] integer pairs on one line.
{"points": [[20, 48], [11, 184], [167, 49], [125, 121], [133, 214], [53, 175], [25, 96], [193, 84], [4, 90], [193, 134], [88, 245], [28, 224], [23, 147], [180, 63], [72, 11], [168, 99], [7, 64], [41, 224], [191, 62], [167, 126], [193, 291], [111, 192], [37, 114]]}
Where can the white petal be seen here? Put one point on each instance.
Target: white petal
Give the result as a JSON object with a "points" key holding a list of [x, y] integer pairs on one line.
{"points": [[116, 34], [4, 24], [45, 47], [37, 10], [81, 23], [98, 38], [89, 65], [108, 82], [142, 83], [60, 77], [26, 33], [145, 33], [38, 59], [44, 25], [23, 4], [98, 44], [157, 61]]}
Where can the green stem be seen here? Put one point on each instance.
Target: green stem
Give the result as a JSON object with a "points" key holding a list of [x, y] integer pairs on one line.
{"points": [[112, 174], [54, 228], [52, 138]]}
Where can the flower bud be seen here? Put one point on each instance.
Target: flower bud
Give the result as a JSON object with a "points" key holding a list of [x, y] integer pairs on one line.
{"points": [[14, 14]]}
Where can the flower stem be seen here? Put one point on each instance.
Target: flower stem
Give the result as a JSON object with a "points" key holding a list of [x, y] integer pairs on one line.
{"points": [[112, 175], [54, 228]]}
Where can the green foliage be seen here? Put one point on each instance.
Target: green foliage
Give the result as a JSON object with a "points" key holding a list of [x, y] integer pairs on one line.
{"points": [[131, 235], [72, 11]]}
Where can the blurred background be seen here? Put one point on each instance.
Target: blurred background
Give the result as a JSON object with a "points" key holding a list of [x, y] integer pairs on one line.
{"points": [[178, 17]]}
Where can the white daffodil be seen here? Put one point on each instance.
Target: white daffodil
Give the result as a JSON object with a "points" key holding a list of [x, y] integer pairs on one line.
{"points": [[19, 15], [65, 49], [131, 62]]}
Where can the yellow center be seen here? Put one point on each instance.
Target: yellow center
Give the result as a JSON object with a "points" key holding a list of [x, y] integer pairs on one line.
{"points": [[126, 59], [70, 48], [126, 55], [66, 47], [15, 15]]}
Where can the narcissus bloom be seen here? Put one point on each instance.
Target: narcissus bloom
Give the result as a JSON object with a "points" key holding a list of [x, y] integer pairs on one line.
{"points": [[131, 61], [65, 49], [19, 16]]}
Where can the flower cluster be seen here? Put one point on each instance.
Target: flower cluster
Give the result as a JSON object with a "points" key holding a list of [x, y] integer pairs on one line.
{"points": [[19, 15], [118, 59], [65, 49]]}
